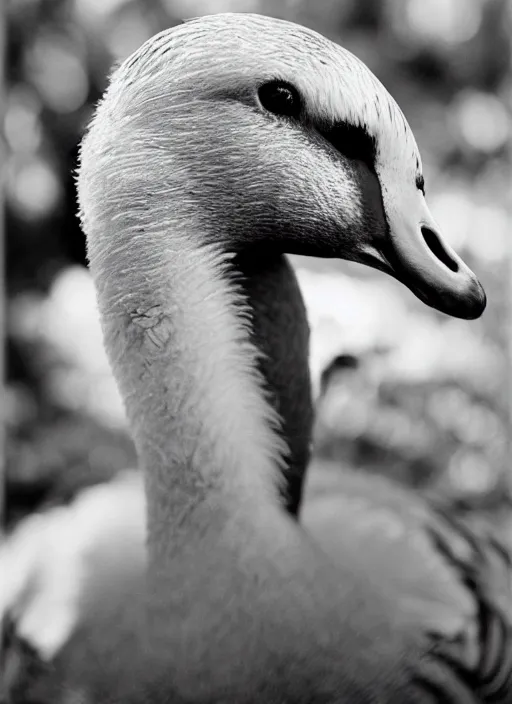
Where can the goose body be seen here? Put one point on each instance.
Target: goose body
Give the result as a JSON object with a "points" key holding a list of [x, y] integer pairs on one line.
{"points": [[86, 565], [375, 596]]}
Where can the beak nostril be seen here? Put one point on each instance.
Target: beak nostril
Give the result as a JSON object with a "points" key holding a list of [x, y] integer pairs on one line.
{"points": [[434, 244]]}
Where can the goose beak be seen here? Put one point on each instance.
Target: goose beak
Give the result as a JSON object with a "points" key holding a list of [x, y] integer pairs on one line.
{"points": [[415, 254]]}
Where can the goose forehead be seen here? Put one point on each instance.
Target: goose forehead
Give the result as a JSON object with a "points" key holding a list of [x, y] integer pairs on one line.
{"points": [[218, 51]]}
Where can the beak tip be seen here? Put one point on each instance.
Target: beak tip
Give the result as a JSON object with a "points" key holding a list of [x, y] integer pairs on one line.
{"points": [[476, 302], [467, 304]]}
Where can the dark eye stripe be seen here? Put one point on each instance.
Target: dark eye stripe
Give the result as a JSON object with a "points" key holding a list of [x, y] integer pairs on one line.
{"points": [[352, 141]]}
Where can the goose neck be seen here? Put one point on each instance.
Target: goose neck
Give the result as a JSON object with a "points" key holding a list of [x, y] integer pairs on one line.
{"points": [[178, 334]]}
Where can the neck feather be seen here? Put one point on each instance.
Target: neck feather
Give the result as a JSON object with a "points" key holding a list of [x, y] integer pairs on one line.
{"points": [[177, 331]]}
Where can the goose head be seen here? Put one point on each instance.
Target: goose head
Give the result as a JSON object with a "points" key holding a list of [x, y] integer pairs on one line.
{"points": [[267, 136]]}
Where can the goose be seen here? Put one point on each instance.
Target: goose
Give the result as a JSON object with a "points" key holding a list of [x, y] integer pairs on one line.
{"points": [[229, 139]]}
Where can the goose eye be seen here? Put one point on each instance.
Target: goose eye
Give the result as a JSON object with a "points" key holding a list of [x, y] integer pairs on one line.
{"points": [[280, 99], [420, 184]]}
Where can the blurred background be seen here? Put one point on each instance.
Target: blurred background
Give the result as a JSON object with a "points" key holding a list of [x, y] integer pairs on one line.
{"points": [[405, 391]]}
